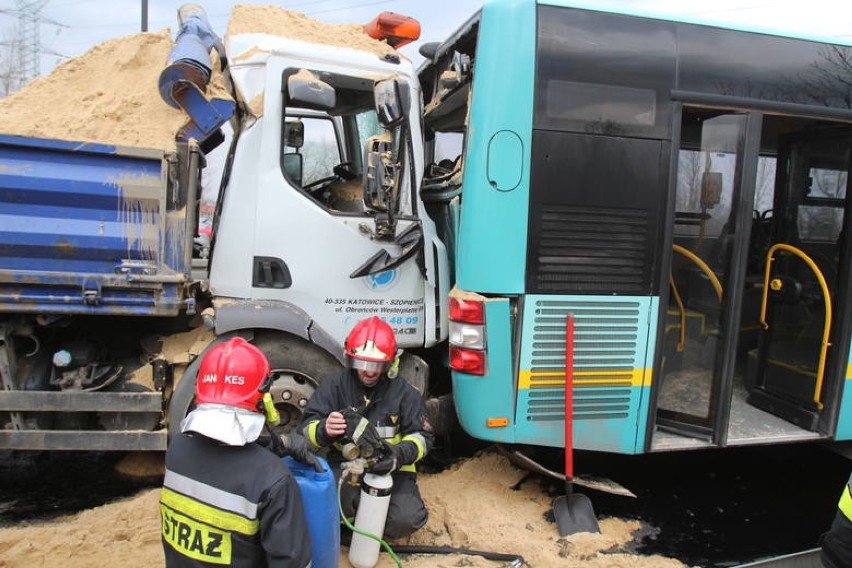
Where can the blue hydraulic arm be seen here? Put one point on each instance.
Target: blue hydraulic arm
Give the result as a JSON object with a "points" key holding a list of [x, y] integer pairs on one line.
{"points": [[187, 74]]}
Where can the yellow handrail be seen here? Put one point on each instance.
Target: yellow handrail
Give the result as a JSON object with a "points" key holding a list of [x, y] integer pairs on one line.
{"points": [[703, 266], [826, 299], [682, 343]]}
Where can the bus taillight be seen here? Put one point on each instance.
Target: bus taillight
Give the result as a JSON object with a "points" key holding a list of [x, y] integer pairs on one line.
{"points": [[467, 336], [396, 29], [467, 311], [467, 360]]}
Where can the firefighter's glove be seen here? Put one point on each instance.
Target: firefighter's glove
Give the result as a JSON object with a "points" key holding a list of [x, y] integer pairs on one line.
{"points": [[388, 462], [297, 447], [362, 433]]}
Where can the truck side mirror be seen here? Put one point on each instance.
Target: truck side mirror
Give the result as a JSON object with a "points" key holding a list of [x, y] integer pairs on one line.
{"points": [[379, 174], [389, 104], [292, 166], [294, 133], [309, 91]]}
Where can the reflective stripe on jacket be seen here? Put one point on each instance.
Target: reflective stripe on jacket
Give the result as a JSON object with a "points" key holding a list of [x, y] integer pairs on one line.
{"points": [[393, 406], [230, 506], [845, 504]]}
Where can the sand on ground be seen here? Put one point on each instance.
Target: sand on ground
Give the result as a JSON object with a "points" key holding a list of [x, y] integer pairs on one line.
{"points": [[476, 504]]}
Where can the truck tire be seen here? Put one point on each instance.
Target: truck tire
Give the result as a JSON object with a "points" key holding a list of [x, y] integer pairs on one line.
{"points": [[298, 367]]}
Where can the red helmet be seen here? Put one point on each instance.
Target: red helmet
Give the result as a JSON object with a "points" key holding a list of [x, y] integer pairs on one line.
{"points": [[235, 373], [370, 346]]}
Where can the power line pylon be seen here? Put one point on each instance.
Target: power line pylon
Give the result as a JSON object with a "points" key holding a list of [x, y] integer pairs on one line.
{"points": [[27, 46], [29, 22]]}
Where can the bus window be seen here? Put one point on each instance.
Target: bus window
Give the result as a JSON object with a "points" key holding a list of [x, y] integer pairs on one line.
{"points": [[820, 217]]}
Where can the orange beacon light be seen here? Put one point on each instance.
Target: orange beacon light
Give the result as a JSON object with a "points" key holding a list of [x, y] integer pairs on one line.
{"points": [[396, 29]]}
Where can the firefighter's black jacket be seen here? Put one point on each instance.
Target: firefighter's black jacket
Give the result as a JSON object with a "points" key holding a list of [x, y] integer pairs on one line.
{"points": [[230, 506], [393, 406], [837, 542]]}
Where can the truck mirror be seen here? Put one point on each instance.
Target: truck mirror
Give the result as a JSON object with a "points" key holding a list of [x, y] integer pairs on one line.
{"points": [[292, 166], [294, 133], [309, 91], [375, 194], [380, 177], [388, 102]]}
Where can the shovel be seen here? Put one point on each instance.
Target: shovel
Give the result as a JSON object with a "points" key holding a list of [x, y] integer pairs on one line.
{"points": [[573, 512]]}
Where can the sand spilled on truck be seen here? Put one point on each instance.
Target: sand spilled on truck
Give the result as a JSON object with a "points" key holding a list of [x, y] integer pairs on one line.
{"points": [[109, 95], [250, 18]]}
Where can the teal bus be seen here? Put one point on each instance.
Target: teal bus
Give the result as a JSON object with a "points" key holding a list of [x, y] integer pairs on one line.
{"points": [[678, 190]]}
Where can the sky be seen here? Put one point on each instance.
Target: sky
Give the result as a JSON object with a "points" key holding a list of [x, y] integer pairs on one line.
{"points": [[69, 28]]}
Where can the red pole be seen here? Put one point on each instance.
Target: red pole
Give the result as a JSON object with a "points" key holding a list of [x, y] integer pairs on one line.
{"points": [[569, 396]]}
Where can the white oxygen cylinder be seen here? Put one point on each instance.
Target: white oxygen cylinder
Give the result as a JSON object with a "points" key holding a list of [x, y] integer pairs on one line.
{"points": [[370, 518]]}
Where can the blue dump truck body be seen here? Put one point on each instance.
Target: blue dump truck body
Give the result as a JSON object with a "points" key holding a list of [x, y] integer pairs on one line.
{"points": [[95, 257], [89, 229]]}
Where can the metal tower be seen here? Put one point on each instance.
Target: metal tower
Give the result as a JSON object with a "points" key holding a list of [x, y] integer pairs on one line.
{"points": [[29, 20], [27, 48]]}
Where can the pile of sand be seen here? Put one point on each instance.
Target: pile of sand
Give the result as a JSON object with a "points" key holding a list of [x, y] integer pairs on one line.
{"points": [[248, 18], [109, 95], [472, 505]]}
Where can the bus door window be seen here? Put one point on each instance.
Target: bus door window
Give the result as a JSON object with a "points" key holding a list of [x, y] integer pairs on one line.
{"points": [[703, 237]]}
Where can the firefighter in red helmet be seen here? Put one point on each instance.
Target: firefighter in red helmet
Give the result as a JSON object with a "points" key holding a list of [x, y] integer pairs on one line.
{"points": [[227, 500], [366, 410]]}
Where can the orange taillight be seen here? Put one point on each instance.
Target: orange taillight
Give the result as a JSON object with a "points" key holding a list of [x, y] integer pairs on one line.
{"points": [[396, 29]]}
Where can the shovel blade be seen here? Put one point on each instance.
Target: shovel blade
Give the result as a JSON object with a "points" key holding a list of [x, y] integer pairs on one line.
{"points": [[574, 514]]}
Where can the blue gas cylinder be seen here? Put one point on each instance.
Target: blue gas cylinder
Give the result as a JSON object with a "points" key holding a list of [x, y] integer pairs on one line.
{"points": [[319, 498]]}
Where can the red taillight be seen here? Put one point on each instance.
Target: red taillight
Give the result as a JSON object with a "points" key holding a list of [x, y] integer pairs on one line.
{"points": [[467, 360], [396, 29], [467, 311]]}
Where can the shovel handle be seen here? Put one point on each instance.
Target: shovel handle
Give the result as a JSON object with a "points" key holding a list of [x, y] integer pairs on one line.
{"points": [[569, 396]]}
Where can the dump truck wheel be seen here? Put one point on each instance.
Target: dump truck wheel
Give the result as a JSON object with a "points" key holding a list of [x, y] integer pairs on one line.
{"points": [[298, 367]]}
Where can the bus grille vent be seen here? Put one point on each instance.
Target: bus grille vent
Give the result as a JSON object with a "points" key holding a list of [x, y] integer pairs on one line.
{"points": [[590, 250], [606, 341]]}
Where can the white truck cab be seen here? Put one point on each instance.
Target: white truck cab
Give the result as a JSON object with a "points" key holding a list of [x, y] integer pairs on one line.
{"points": [[318, 221]]}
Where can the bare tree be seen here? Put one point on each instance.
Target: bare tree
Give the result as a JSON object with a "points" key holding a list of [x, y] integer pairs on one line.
{"points": [[832, 83], [690, 168], [764, 189]]}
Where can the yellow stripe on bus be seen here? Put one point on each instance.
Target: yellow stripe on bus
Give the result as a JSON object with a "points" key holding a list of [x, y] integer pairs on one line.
{"points": [[611, 378]]}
